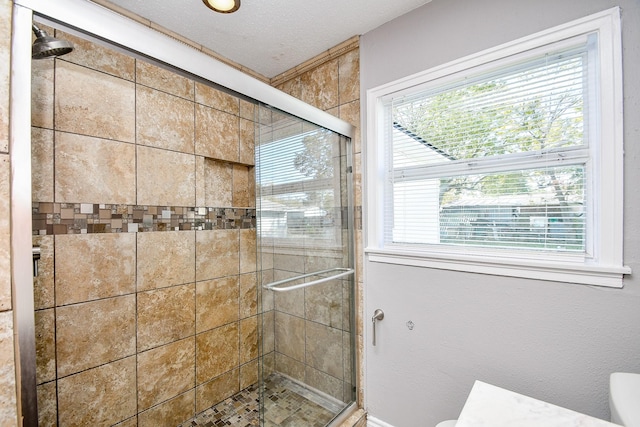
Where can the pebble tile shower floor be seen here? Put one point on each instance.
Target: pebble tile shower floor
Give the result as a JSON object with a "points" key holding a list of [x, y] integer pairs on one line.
{"points": [[287, 404]]}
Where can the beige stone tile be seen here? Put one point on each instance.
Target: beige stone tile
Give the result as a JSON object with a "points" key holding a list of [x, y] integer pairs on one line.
{"points": [[131, 422], [357, 419], [42, 73], [43, 284], [290, 302], [216, 352], [317, 259], [268, 363], [335, 111], [290, 336], [248, 110], [165, 315], [348, 295], [218, 183], [165, 177], [217, 303], [108, 266], [267, 332], [99, 57], [164, 121], [265, 257], [359, 307], [241, 191], [249, 374], [359, 255], [247, 142], [286, 262], [349, 76], [320, 86], [323, 303], [108, 113], [165, 259], [7, 371], [248, 250], [93, 170], [47, 405], [292, 87], [350, 112], [324, 349], [288, 366], [170, 413], [324, 382], [347, 353], [104, 395], [265, 298], [5, 233], [215, 391], [285, 126], [217, 254], [357, 179], [217, 99], [45, 345], [165, 372], [164, 80], [41, 165], [248, 295], [93, 333], [252, 187], [200, 181], [248, 339], [217, 134], [360, 369]]}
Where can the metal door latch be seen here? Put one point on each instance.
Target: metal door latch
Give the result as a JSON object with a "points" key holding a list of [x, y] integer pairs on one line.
{"points": [[377, 315]]}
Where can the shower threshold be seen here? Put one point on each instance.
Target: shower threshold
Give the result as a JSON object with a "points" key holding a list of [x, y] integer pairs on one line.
{"points": [[287, 404]]}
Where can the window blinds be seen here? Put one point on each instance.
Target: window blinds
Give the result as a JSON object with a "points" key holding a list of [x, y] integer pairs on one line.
{"points": [[493, 160], [299, 183]]}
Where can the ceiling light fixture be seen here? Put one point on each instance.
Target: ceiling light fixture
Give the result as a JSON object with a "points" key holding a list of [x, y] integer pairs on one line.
{"points": [[223, 6]]}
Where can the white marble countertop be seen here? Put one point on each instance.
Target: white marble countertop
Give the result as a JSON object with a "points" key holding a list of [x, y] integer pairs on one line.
{"points": [[491, 406]]}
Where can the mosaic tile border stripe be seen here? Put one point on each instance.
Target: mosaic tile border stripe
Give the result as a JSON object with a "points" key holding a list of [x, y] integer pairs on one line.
{"points": [[85, 218]]}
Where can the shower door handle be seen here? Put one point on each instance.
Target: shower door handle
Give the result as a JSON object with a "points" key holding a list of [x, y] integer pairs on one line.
{"points": [[377, 315]]}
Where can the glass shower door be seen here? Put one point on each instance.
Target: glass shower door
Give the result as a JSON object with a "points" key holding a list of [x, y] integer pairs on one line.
{"points": [[305, 258]]}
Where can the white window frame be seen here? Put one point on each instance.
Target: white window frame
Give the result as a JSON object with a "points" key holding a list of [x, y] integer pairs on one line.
{"points": [[605, 266]]}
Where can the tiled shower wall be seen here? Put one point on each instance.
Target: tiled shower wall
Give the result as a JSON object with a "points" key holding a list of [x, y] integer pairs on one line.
{"points": [[330, 82], [143, 190]]}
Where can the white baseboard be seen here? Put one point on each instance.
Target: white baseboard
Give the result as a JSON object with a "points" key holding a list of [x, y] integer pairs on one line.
{"points": [[374, 422]]}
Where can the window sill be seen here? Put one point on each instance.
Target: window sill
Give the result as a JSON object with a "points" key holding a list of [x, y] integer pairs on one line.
{"points": [[567, 272]]}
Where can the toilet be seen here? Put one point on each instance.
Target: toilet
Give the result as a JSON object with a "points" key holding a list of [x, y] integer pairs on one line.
{"points": [[624, 399]]}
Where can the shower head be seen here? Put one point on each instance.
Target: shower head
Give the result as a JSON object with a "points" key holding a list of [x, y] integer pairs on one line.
{"points": [[46, 46]]}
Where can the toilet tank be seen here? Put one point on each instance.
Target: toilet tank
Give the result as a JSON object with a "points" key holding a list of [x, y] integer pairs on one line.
{"points": [[624, 399]]}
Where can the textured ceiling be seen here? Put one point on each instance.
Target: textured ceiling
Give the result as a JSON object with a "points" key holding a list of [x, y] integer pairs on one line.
{"points": [[271, 36]]}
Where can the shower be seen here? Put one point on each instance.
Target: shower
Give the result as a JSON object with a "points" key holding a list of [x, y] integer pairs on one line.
{"points": [[46, 46], [184, 300]]}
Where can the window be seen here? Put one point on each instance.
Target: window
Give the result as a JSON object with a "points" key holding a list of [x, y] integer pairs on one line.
{"points": [[301, 177], [507, 162]]}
